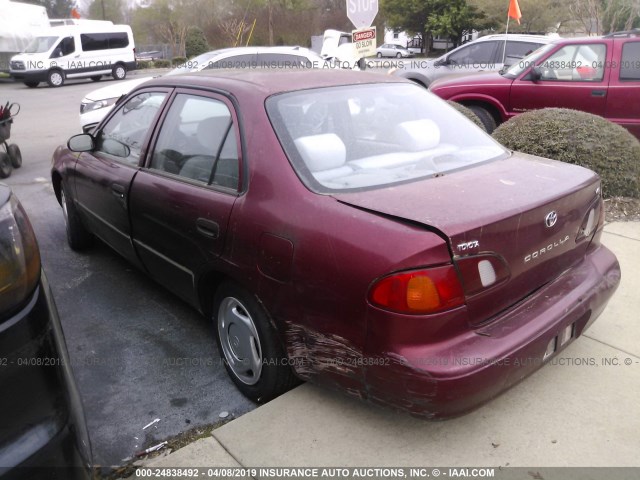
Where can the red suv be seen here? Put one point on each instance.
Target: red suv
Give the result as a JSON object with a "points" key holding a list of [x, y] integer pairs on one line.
{"points": [[599, 75]]}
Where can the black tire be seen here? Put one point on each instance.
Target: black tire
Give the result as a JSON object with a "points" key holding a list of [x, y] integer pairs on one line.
{"points": [[16, 156], [31, 84], [55, 78], [78, 236], [119, 72], [5, 165], [398, 55], [96, 78], [379, 55], [272, 376], [485, 117]]}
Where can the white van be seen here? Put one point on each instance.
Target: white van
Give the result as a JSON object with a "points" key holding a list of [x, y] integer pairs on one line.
{"points": [[75, 51]]}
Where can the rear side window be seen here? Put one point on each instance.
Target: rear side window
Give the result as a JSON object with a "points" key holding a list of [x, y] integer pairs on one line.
{"points": [[103, 41], [518, 50], [197, 141], [630, 64]]}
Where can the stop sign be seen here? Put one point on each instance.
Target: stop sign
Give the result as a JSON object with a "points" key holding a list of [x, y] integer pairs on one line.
{"points": [[362, 12]]}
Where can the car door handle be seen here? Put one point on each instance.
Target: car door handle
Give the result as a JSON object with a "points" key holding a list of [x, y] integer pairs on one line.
{"points": [[208, 228], [598, 93], [118, 190]]}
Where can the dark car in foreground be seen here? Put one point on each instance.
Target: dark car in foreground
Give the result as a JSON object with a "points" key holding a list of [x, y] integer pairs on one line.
{"points": [[42, 427], [346, 227], [599, 75]]}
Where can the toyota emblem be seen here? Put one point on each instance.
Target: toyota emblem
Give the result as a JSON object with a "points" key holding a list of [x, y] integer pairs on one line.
{"points": [[551, 219]]}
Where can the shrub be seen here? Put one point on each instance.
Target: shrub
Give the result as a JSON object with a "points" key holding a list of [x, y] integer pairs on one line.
{"points": [[178, 61], [196, 43], [579, 138], [141, 64], [466, 112], [161, 63]]}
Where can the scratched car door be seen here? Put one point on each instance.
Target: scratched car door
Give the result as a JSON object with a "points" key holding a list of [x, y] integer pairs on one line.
{"points": [[181, 201]]}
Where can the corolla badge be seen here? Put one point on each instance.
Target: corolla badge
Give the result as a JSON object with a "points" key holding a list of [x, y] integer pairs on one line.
{"points": [[551, 219]]}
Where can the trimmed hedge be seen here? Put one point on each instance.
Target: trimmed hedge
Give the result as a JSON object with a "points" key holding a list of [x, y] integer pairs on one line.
{"points": [[162, 63], [467, 113], [178, 61], [579, 138], [142, 64]]}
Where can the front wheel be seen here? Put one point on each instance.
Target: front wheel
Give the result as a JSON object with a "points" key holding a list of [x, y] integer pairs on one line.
{"points": [[485, 117], [78, 236], [55, 78], [5, 165], [379, 55], [249, 345], [119, 72], [15, 155]]}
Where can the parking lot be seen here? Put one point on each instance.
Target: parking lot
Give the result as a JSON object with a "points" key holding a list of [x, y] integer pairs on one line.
{"points": [[138, 352]]}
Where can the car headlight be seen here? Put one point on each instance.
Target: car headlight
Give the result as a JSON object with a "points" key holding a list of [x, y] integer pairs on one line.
{"points": [[19, 256], [90, 106]]}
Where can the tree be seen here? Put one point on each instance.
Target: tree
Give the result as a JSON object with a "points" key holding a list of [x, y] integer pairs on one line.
{"points": [[455, 18], [410, 16], [538, 16], [620, 15], [107, 10], [195, 43]]}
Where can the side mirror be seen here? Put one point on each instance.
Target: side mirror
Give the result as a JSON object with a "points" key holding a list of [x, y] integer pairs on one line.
{"points": [[81, 143], [536, 73], [440, 62]]}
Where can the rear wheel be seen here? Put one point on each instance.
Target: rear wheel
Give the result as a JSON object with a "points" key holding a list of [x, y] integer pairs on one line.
{"points": [[55, 78], [398, 55], [77, 235], [96, 78], [5, 165], [16, 156], [31, 84], [249, 346], [485, 117], [119, 72]]}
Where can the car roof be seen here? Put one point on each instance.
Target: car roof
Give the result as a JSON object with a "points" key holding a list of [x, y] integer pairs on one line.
{"points": [[517, 37], [270, 82]]}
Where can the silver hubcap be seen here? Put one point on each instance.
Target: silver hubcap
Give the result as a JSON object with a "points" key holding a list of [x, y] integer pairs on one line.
{"points": [[56, 79], [240, 341], [120, 72]]}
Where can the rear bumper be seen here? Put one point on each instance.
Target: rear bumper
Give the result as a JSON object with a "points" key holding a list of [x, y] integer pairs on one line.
{"points": [[456, 375]]}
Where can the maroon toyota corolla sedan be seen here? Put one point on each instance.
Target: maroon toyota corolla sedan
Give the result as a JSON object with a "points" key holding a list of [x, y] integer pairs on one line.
{"points": [[345, 228]]}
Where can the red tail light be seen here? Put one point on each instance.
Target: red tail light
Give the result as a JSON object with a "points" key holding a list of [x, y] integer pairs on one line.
{"points": [[429, 290]]}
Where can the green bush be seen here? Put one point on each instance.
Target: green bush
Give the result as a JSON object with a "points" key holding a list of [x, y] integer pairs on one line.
{"points": [[178, 61], [161, 63], [579, 138], [141, 64], [466, 112], [196, 42]]}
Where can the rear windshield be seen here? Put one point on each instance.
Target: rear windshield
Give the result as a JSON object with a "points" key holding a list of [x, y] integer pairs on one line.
{"points": [[368, 136]]}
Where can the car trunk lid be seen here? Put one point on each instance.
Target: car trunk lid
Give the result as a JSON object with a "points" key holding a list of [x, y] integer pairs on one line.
{"points": [[526, 210]]}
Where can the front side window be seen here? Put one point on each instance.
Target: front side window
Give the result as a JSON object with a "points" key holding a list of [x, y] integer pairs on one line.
{"points": [[123, 135], [518, 50], [575, 63], [197, 141], [66, 47], [478, 53], [369, 136]]}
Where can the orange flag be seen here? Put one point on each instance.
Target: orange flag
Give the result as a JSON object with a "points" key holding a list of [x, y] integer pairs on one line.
{"points": [[514, 10], [76, 14]]}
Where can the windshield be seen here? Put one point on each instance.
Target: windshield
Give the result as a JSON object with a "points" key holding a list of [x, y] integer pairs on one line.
{"points": [[366, 136], [530, 60], [40, 44]]}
